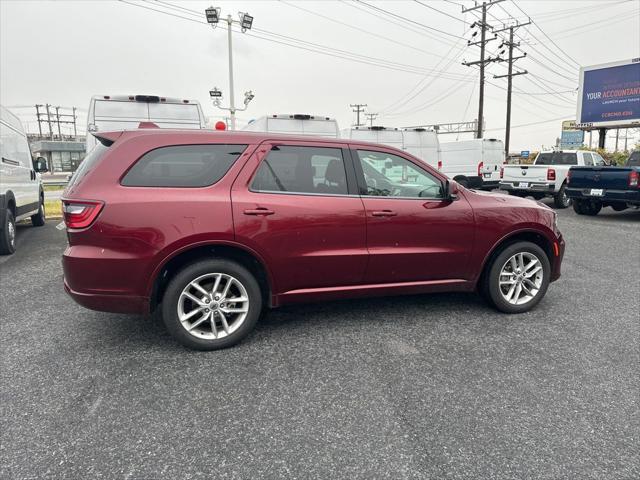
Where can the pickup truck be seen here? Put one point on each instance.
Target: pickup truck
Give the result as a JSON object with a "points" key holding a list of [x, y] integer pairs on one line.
{"points": [[592, 188], [547, 177]]}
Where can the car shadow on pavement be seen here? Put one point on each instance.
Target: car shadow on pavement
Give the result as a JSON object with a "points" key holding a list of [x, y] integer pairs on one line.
{"points": [[118, 331]]}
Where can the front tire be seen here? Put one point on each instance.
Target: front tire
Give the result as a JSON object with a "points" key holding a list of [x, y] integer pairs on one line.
{"points": [[211, 304], [560, 199], [518, 277], [38, 220], [8, 234]]}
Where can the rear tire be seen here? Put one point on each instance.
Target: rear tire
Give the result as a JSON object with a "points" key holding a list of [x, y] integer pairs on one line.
{"points": [[518, 287], [38, 220], [587, 207], [560, 199], [218, 322], [8, 234]]}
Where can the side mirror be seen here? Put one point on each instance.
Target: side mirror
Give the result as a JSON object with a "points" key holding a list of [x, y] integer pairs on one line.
{"points": [[40, 165], [451, 189]]}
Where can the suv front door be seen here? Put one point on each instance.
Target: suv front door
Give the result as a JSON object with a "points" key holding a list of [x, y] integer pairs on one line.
{"points": [[297, 205], [413, 232]]}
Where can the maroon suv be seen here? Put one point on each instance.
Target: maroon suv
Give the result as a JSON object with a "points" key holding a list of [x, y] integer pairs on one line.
{"points": [[212, 227]]}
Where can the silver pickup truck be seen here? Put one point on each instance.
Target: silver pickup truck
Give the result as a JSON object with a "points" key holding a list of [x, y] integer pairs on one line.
{"points": [[547, 177]]}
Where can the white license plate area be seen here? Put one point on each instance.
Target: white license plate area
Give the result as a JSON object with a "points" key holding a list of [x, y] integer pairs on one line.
{"points": [[487, 175], [523, 185], [596, 192]]}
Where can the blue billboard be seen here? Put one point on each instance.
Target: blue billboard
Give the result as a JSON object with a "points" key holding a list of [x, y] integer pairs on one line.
{"points": [[610, 95]]}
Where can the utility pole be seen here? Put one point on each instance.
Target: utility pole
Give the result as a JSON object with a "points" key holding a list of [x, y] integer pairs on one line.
{"points": [[75, 131], [39, 120], [511, 44], [358, 108], [49, 121], [617, 137], [483, 61], [371, 117], [58, 121]]}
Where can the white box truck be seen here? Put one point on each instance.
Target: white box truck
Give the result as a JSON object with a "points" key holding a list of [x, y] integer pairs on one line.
{"points": [[473, 163], [295, 124], [419, 142], [125, 112]]}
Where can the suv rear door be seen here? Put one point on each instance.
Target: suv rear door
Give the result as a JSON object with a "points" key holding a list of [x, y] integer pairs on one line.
{"points": [[296, 204]]}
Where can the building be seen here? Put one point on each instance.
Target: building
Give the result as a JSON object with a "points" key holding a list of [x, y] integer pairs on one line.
{"points": [[63, 156]]}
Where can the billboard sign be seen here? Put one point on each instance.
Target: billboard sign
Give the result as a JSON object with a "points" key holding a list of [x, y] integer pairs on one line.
{"points": [[609, 95], [571, 137]]}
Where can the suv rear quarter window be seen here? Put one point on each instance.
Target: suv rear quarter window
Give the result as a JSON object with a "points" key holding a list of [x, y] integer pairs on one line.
{"points": [[183, 166]]}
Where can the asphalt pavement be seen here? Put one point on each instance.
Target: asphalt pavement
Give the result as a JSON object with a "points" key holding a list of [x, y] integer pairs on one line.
{"points": [[431, 386]]}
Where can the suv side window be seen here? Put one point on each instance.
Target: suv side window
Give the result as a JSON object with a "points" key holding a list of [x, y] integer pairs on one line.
{"points": [[389, 175], [300, 169], [183, 166], [588, 158]]}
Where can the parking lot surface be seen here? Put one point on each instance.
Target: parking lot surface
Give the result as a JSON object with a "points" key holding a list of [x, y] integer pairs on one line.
{"points": [[433, 386]]}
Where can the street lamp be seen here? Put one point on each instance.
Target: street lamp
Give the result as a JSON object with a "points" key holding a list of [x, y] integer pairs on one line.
{"points": [[245, 22]]}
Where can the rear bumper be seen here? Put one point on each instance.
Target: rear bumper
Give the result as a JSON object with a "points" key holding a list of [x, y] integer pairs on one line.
{"points": [[99, 280], [621, 196], [534, 187], [109, 303]]}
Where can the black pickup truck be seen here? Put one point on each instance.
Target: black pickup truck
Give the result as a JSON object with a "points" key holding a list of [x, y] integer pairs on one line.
{"points": [[592, 188]]}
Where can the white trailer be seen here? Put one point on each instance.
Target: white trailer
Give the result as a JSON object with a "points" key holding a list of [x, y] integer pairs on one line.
{"points": [[296, 124], [473, 163]]}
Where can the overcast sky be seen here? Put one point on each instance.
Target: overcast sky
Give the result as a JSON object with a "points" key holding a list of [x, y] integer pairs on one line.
{"points": [[403, 58]]}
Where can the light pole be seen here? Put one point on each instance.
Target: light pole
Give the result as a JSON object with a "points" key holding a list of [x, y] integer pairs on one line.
{"points": [[245, 22]]}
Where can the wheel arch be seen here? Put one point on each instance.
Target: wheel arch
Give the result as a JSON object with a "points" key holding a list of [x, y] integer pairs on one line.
{"points": [[527, 235], [227, 250], [10, 201]]}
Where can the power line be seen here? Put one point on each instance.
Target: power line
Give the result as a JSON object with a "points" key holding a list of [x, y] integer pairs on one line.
{"points": [[547, 36], [376, 35], [405, 19], [440, 11]]}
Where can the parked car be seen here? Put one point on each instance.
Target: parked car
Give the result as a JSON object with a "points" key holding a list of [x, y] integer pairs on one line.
{"points": [[21, 192], [119, 112], [547, 177], [295, 124], [212, 227], [592, 188], [473, 163]]}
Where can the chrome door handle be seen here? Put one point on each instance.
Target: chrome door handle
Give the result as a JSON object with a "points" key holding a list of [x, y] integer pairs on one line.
{"points": [[259, 211], [383, 213]]}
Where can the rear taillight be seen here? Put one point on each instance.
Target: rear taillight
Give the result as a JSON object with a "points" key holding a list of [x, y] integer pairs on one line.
{"points": [[501, 172], [568, 176], [80, 213], [480, 166], [633, 179], [439, 164], [551, 174]]}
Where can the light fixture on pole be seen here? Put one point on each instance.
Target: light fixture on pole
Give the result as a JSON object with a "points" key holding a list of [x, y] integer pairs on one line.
{"points": [[245, 22]]}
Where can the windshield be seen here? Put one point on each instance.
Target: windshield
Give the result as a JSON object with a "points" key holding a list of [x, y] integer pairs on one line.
{"points": [[634, 159], [557, 158]]}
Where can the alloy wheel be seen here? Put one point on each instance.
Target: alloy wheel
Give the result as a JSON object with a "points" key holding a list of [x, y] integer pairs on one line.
{"points": [[213, 306], [521, 278]]}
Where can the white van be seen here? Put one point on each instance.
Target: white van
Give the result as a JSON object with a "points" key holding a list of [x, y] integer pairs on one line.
{"points": [[419, 142], [473, 163], [297, 124], [21, 193], [125, 112]]}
